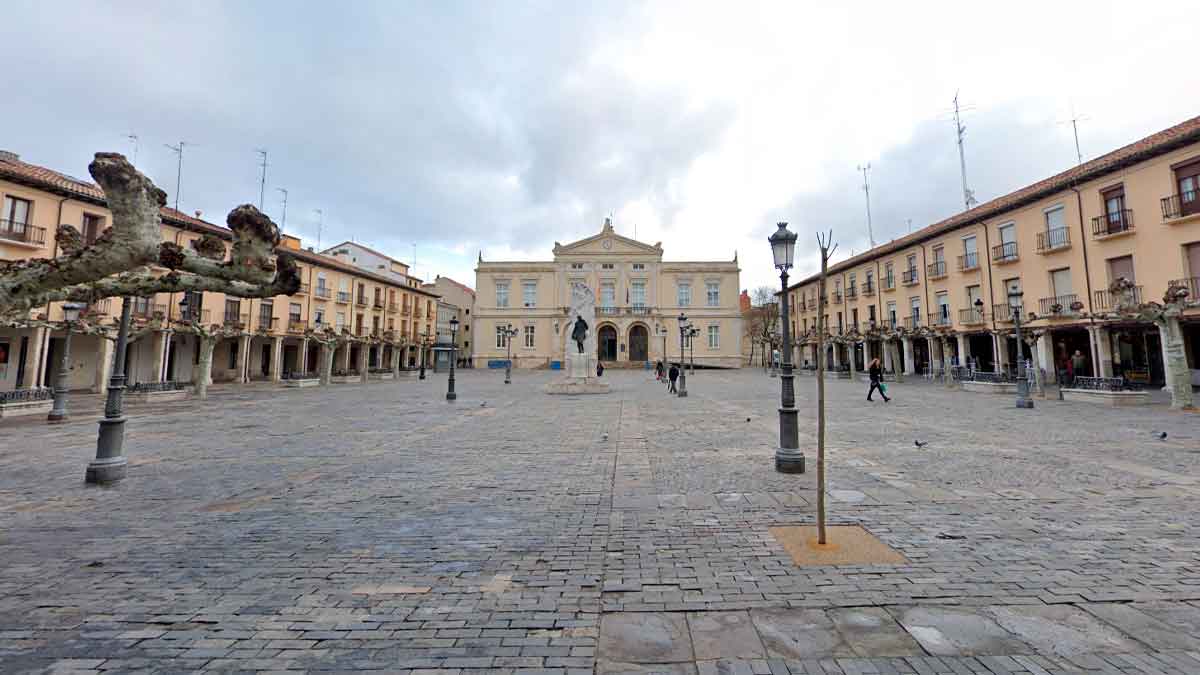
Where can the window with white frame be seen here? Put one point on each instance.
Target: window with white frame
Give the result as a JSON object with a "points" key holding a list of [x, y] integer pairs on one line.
{"points": [[637, 293], [683, 293], [529, 293], [639, 266], [501, 337], [712, 292], [529, 337], [502, 294], [576, 266], [608, 294], [714, 337], [319, 317]]}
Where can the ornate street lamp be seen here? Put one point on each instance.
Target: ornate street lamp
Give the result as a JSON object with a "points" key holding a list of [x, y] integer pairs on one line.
{"points": [[59, 412], [424, 335], [788, 458], [509, 334], [692, 333], [450, 395], [1023, 400], [109, 465], [683, 328]]}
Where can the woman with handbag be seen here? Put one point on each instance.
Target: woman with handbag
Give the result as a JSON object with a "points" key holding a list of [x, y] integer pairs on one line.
{"points": [[875, 372]]}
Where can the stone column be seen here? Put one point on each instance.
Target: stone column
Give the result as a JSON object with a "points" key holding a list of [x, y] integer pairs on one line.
{"points": [[363, 350], [887, 354], [837, 355], [1175, 367], [946, 365], [396, 355], [1044, 349], [161, 338], [39, 351], [275, 370], [326, 364], [909, 357], [964, 349], [104, 361], [850, 349], [1035, 359], [302, 364], [346, 356], [1000, 344], [243, 347], [1102, 347]]}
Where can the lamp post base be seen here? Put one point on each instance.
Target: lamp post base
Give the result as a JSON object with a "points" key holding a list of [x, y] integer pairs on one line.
{"points": [[451, 396], [789, 460], [56, 417], [1027, 403], [104, 471]]}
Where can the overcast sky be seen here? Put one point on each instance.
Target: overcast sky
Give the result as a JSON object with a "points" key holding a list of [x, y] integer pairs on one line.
{"points": [[504, 126]]}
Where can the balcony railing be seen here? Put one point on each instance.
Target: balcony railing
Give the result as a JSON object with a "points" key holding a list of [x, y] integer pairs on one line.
{"points": [[360, 301], [851, 292], [968, 261], [936, 269], [22, 232], [97, 308], [393, 307], [1192, 284], [406, 310], [970, 317], [235, 320], [1103, 300], [608, 311], [910, 277], [296, 325], [1005, 253], [343, 297], [1112, 223], [322, 292], [1058, 305], [266, 322], [147, 311], [1002, 312], [1053, 240], [1178, 206], [837, 298], [912, 322], [303, 289], [939, 318], [868, 289], [378, 304], [889, 283]]}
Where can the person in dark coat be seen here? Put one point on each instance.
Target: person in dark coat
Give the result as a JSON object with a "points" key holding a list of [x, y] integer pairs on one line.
{"points": [[658, 371], [672, 375], [875, 372], [599, 369]]}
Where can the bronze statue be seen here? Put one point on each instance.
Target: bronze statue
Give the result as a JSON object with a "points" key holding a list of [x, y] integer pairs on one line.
{"points": [[579, 332]]}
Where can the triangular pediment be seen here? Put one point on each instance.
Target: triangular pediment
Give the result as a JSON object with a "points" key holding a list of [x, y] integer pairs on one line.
{"points": [[607, 242]]}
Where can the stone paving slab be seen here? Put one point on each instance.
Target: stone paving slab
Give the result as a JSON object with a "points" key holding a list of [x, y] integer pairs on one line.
{"points": [[379, 527]]}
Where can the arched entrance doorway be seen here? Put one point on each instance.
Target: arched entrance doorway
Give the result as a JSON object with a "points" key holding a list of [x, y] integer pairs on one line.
{"points": [[607, 341], [639, 343]]}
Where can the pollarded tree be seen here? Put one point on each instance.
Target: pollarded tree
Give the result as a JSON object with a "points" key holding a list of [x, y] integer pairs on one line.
{"points": [[131, 259]]}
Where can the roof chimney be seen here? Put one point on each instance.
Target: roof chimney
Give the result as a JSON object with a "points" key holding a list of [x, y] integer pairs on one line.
{"points": [[199, 213], [9, 156]]}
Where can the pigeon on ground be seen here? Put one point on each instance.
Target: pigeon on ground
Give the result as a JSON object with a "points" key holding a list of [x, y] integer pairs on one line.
{"points": [[1162, 435], [943, 535], [604, 437], [482, 405], [747, 419], [920, 444]]}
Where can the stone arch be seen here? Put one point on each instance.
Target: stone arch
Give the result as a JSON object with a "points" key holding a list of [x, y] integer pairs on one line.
{"points": [[606, 342], [639, 342]]}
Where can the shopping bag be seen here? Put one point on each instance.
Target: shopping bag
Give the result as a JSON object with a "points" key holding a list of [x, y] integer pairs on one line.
{"points": [[882, 388]]}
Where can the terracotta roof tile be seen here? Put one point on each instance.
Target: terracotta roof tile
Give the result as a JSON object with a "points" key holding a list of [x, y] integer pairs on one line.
{"points": [[1151, 146]]}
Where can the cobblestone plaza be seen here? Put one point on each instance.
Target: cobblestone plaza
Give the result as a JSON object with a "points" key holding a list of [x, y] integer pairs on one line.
{"points": [[379, 527]]}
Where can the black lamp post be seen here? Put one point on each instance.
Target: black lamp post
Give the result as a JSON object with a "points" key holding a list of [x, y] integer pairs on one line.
{"points": [[683, 328], [1023, 400], [692, 333], [788, 458], [59, 412], [109, 465], [450, 395], [509, 334], [424, 335]]}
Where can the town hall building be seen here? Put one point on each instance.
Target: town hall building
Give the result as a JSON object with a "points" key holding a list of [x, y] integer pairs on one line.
{"points": [[639, 298]]}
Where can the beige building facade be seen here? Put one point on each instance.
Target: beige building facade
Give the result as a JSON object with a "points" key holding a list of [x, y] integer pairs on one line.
{"points": [[639, 298], [265, 338], [942, 293], [457, 301]]}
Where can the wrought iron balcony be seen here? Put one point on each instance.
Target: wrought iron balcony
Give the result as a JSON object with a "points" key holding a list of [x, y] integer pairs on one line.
{"points": [[970, 317], [296, 325], [97, 308], [868, 289], [1192, 284], [144, 310], [343, 297], [1106, 300], [1177, 206], [378, 304], [608, 311], [323, 292], [1002, 312], [1054, 240], [360, 301], [837, 297], [1058, 305], [236, 320], [201, 317], [1109, 224], [910, 277], [406, 311], [889, 283], [968, 261], [303, 289], [939, 318], [22, 232], [912, 322], [936, 269], [266, 322], [393, 307], [851, 292], [1005, 253]]}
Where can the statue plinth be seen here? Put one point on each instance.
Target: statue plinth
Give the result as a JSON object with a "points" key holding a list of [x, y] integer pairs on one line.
{"points": [[580, 364], [580, 377]]}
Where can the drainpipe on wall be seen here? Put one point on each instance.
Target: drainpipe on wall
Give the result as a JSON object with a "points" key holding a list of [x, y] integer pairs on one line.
{"points": [[1087, 278]]}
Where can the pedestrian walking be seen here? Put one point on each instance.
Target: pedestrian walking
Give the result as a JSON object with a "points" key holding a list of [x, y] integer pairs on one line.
{"points": [[658, 370], [875, 372], [599, 369], [673, 375]]}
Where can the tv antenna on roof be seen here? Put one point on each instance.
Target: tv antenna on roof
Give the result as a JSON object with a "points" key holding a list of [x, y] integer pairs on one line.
{"points": [[283, 222], [133, 138], [320, 222], [1074, 121], [866, 172], [960, 130], [262, 183], [178, 150]]}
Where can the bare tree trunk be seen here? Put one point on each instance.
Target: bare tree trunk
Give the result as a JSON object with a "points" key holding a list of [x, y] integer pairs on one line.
{"points": [[202, 376], [821, 539], [948, 381], [363, 350], [327, 354], [1176, 363]]}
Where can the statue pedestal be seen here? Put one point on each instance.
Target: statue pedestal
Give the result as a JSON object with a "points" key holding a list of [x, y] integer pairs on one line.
{"points": [[580, 377]]}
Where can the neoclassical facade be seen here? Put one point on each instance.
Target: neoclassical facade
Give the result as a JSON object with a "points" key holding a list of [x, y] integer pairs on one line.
{"points": [[639, 298]]}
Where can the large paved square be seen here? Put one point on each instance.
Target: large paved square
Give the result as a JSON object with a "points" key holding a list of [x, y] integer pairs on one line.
{"points": [[380, 527]]}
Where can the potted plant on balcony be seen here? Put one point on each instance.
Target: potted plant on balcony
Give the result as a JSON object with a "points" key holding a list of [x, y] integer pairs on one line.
{"points": [[1076, 306], [1056, 308]]}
